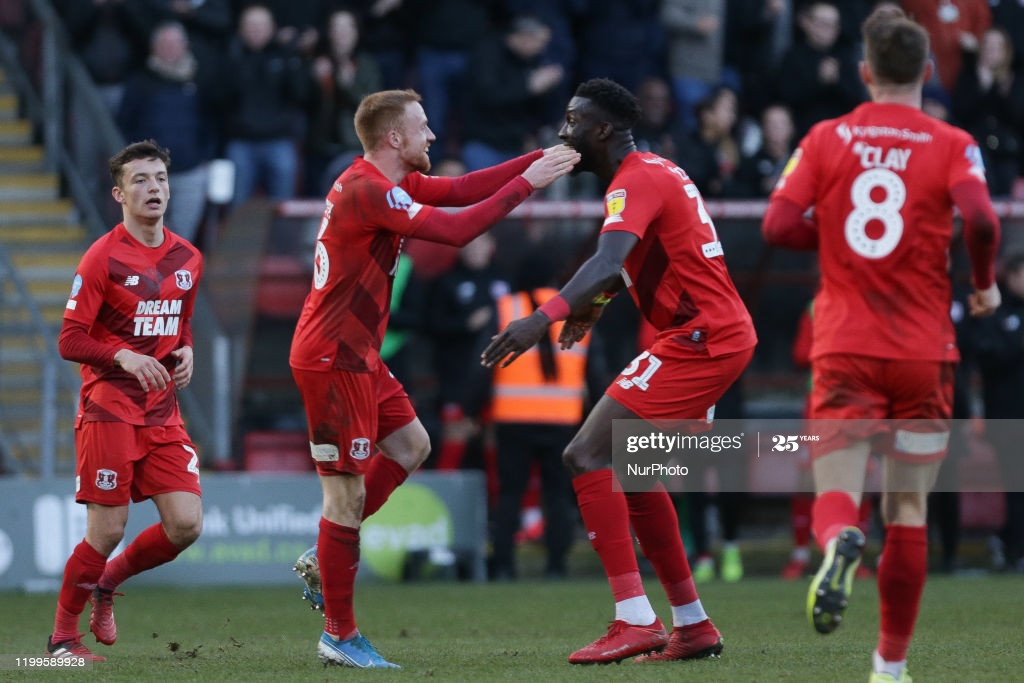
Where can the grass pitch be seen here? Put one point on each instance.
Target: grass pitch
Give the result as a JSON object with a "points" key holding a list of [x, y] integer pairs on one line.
{"points": [[969, 630]]}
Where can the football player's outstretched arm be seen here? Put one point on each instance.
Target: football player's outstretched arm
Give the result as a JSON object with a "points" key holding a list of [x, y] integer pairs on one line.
{"points": [[461, 228]]}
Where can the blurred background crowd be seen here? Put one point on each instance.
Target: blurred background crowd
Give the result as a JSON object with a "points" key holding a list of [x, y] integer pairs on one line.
{"points": [[727, 88]]}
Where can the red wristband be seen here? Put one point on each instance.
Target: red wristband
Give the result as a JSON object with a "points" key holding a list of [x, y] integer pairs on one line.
{"points": [[556, 308]]}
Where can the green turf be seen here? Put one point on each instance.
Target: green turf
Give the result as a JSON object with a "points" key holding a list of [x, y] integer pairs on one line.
{"points": [[969, 630]]}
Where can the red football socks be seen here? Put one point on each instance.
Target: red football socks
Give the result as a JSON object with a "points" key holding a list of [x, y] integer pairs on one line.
{"points": [[864, 514], [151, 548], [82, 571], [338, 548], [800, 518], [901, 578], [606, 518], [656, 526], [384, 476], [832, 512]]}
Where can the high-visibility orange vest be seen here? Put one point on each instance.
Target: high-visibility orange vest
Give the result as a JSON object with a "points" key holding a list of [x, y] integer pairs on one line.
{"points": [[521, 393]]}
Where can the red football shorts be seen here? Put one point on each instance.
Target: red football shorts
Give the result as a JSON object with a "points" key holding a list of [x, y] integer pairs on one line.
{"points": [[672, 381], [118, 462], [903, 406], [348, 413]]}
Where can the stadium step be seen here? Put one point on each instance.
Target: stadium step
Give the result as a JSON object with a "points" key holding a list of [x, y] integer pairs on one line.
{"points": [[61, 257], [15, 132], [30, 211], [8, 106], [38, 234], [29, 186], [21, 158], [44, 239]]}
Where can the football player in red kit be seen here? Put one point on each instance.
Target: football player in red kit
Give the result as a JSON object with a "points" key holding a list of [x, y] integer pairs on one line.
{"points": [[353, 403], [659, 242], [883, 181], [127, 322]]}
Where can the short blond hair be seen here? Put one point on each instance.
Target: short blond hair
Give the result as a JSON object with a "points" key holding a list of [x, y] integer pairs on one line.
{"points": [[381, 112]]}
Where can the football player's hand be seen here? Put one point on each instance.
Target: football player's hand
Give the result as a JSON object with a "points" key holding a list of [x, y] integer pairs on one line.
{"points": [[183, 368], [513, 340], [578, 324], [984, 302], [148, 370], [551, 166]]}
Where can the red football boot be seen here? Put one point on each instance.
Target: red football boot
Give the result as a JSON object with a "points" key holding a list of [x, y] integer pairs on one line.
{"points": [[101, 619], [71, 648], [689, 642], [621, 642]]}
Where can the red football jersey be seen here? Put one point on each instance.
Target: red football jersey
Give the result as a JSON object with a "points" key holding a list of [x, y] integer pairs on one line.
{"points": [[676, 274], [365, 222], [136, 297], [879, 179]]}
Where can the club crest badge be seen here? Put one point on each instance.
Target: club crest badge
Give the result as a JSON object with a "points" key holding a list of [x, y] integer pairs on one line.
{"points": [[360, 449], [106, 480], [183, 278]]}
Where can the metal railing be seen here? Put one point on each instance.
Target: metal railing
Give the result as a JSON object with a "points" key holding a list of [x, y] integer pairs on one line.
{"points": [[56, 374]]}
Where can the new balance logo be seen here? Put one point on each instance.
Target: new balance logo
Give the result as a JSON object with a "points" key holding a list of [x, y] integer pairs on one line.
{"points": [[131, 281]]}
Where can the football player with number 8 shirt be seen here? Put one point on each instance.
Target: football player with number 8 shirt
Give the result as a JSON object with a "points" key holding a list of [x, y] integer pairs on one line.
{"points": [[659, 242], [883, 181], [127, 322]]}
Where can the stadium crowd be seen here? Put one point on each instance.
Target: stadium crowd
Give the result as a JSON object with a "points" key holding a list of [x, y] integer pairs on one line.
{"points": [[728, 88]]}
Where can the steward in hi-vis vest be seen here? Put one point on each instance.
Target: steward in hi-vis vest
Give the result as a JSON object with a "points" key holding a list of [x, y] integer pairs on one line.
{"points": [[547, 385]]}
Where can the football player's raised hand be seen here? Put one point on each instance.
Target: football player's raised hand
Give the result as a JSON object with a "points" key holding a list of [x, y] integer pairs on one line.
{"points": [[551, 167]]}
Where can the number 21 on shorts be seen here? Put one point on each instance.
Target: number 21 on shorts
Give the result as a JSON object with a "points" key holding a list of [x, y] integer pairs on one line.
{"points": [[640, 381]]}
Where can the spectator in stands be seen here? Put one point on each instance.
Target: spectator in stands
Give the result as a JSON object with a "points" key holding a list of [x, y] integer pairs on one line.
{"points": [[659, 129], [268, 86], [623, 41], [171, 100], [694, 35], [208, 23], [386, 34], [345, 75], [1009, 14], [954, 27], [461, 303], [298, 23], [989, 103], [758, 174], [559, 16], [756, 34], [536, 405], [818, 74], [446, 32], [509, 93], [711, 153], [109, 36], [998, 344]]}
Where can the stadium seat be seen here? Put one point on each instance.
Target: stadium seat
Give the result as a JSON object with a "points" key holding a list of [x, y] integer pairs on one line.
{"points": [[271, 451]]}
